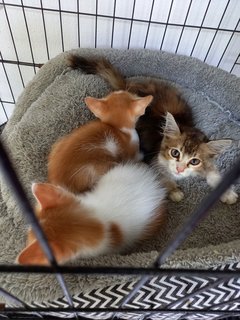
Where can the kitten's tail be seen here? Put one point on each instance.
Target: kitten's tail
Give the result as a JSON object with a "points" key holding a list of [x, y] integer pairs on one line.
{"points": [[101, 67]]}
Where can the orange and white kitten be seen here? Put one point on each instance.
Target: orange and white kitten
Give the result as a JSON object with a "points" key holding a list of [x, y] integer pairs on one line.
{"points": [[124, 207], [169, 139], [79, 159]]}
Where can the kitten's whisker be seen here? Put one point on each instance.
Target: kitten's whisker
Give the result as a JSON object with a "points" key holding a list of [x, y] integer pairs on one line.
{"points": [[76, 172]]}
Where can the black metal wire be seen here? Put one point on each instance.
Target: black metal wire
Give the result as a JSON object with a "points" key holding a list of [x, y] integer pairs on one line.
{"points": [[118, 309], [16, 188], [149, 23], [185, 20], [61, 24], [227, 45], [12, 298], [45, 30], [96, 24], [200, 213], [122, 18], [232, 175], [235, 63], [28, 35], [166, 24], [224, 304], [216, 31], [201, 27], [131, 24], [16, 301], [78, 23], [6, 75], [3, 108], [187, 228], [113, 23], [13, 41], [21, 63], [131, 271], [189, 225], [4, 101]]}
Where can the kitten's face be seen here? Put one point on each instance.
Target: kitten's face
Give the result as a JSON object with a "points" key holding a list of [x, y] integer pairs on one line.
{"points": [[183, 157], [188, 152]]}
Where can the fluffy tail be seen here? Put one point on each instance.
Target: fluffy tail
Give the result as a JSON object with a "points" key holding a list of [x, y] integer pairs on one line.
{"points": [[101, 67]]}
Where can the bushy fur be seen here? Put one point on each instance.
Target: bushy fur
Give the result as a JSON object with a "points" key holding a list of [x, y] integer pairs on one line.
{"points": [[167, 125], [126, 206], [80, 158], [94, 203]]}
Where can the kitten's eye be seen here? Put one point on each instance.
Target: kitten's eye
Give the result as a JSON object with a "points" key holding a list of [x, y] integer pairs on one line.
{"points": [[194, 162], [175, 153]]}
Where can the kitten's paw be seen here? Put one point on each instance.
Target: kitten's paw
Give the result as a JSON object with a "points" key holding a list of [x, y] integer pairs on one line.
{"points": [[229, 197], [177, 195]]}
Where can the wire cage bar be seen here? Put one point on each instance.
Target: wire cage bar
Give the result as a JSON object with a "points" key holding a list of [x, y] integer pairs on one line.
{"points": [[199, 39], [156, 33]]}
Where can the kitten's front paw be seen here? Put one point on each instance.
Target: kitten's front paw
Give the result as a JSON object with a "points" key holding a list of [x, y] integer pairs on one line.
{"points": [[176, 195], [229, 197]]}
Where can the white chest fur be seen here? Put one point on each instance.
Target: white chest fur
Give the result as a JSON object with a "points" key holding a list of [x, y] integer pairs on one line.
{"points": [[133, 135], [134, 139]]}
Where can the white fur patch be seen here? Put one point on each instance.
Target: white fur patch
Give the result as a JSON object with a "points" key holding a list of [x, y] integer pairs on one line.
{"points": [[230, 196], [213, 178], [133, 134], [132, 194], [176, 195], [111, 145], [91, 251], [170, 166]]}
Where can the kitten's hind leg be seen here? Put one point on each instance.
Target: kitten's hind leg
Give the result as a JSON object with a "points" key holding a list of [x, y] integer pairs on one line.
{"points": [[213, 178], [174, 192]]}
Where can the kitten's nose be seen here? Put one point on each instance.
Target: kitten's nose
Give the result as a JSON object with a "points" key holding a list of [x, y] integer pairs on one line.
{"points": [[180, 169]]}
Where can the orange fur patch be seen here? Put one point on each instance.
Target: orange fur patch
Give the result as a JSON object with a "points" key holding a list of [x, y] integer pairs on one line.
{"points": [[116, 235], [78, 160], [157, 223], [69, 229]]}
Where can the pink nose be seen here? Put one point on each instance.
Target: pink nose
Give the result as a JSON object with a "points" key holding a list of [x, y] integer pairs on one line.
{"points": [[180, 169]]}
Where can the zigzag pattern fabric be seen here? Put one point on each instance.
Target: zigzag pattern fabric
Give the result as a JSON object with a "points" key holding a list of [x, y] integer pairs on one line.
{"points": [[198, 299]]}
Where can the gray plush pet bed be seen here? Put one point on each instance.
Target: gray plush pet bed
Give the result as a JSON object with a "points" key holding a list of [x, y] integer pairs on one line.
{"points": [[52, 105]]}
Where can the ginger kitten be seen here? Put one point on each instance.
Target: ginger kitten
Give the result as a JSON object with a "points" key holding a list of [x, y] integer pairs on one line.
{"points": [[79, 159], [100, 199], [125, 206], [168, 137]]}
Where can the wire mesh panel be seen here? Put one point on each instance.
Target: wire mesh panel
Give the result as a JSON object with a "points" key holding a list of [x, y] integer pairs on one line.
{"points": [[34, 31], [125, 306]]}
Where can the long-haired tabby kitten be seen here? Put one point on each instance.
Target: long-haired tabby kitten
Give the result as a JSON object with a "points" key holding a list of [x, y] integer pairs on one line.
{"points": [[168, 137], [79, 159]]}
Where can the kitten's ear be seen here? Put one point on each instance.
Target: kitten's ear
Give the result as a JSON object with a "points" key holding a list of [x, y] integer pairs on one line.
{"points": [[97, 106], [140, 104], [48, 195], [171, 128], [218, 146], [32, 254]]}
